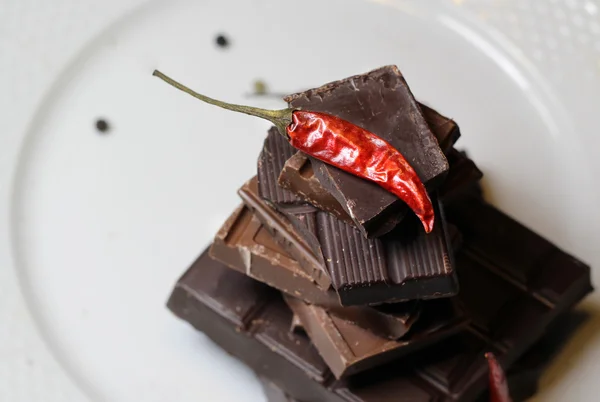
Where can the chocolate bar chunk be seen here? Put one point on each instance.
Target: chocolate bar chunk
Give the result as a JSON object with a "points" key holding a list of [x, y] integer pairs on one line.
{"points": [[245, 245], [405, 264], [296, 174], [445, 130], [298, 177], [523, 376], [279, 225], [252, 323], [381, 102], [462, 175], [507, 315], [276, 150], [490, 236], [391, 321], [507, 318], [521, 388], [348, 348]]}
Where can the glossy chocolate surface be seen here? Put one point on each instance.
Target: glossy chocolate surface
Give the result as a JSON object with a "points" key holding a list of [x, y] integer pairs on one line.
{"points": [[380, 102]]}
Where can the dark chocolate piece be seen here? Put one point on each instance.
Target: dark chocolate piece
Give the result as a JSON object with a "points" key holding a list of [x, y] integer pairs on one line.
{"points": [[348, 348], [278, 224], [276, 150], [462, 175], [523, 377], [455, 237], [405, 264], [245, 245], [300, 180], [295, 173], [508, 316], [298, 177], [381, 102], [445, 130], [507, 319], [247, 320], [518, 253], [250, 321], [391, 321]]}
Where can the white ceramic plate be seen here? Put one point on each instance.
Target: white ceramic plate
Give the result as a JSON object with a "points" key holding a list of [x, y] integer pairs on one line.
{"points": [[101, 226]]}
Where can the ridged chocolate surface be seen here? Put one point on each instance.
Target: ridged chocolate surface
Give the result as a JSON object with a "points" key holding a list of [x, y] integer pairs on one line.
{"points": [[423, 257], [276, 150], [405, 264], [351, 258]]}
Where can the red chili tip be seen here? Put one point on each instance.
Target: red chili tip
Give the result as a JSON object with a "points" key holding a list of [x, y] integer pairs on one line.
{"points": [[428, 222], [498, 384]]}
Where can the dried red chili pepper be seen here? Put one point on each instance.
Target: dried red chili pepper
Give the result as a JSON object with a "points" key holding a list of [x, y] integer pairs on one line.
{"points": [[498, 384], [342, 144]]}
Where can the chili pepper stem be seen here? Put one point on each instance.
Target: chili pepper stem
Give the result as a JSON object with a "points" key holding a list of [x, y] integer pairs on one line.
{"points": [[280, 118]]}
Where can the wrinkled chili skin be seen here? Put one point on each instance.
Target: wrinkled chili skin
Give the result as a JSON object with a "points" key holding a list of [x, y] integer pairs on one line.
{"points": [[498, 385], [361, 153]]}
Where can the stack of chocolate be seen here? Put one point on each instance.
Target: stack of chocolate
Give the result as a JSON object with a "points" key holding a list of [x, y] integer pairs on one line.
{"points": [[329, 288]]}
